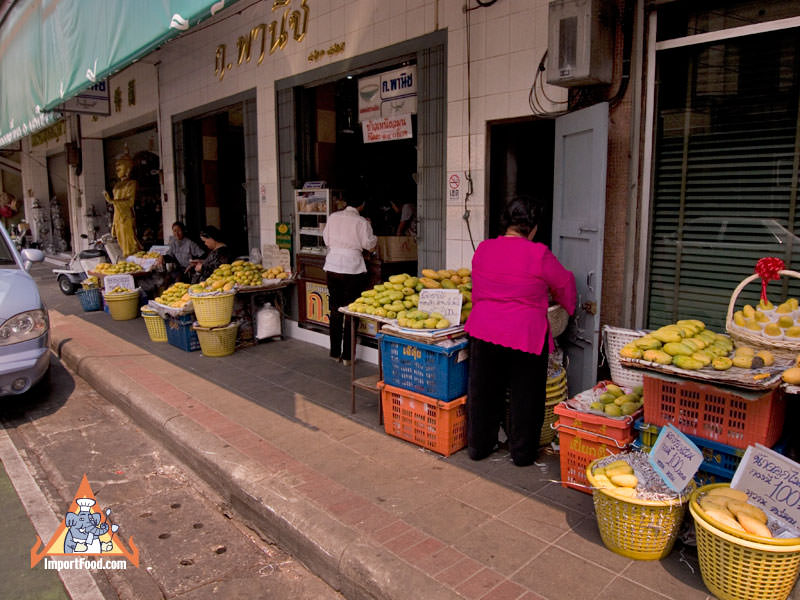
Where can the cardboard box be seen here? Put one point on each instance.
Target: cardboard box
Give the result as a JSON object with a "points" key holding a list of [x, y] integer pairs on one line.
{"points": [[397, 248]]}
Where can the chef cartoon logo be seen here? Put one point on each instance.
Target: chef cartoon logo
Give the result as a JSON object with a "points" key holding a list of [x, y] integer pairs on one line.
{"points": [[86, 530]]}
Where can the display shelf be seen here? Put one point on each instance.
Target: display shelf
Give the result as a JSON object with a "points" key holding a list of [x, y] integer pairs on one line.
{"points": [[312, 207]]}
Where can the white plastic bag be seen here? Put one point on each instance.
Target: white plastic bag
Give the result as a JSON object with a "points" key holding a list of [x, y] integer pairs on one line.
{"points": [[268, 322]]}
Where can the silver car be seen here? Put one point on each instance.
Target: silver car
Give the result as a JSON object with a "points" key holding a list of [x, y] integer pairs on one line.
{"points": [[24, 325]]}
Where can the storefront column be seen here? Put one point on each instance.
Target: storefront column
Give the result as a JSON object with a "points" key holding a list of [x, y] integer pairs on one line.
{"points": [[92, 184], [34, 184]]}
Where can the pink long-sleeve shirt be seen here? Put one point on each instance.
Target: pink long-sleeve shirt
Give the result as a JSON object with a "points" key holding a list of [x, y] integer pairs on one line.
{"points": [[511, 278]]}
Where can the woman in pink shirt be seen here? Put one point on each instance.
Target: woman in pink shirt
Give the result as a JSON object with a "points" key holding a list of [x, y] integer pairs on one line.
{"points": [[512, 279]]}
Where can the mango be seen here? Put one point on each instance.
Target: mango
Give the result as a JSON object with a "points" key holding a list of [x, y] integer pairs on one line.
{"points": [[677, 348], [665, 334], [792, 332], [749, 311], [753, 526], [447, 284], [784, 308], [398, 278], [612, 410], [772, 330], [765, 305], [630, 351], [725, 518], [606, 398], [743, 361], [791, 376], [628, 408], [722, 363], [464, 272], [657, 356], [430, 283], [785, 322], [687, 362], [703, 357], [729, 493], [744, 350], [754, 512], [614, 389], [622, 492], [767, 357], [647, 342], [430, 274], [629, 481], [597, 406]]}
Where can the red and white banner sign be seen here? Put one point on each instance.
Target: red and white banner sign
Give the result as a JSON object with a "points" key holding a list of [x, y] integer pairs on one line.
{"points": [[387, 129]]}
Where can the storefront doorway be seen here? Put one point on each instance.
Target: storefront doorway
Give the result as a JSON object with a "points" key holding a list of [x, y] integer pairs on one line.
{"points": [[215, 178], [521, 163], [60, 234]]}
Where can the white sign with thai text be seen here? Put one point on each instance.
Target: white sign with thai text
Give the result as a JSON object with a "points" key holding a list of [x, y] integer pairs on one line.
{"points": [[445, 302], [772, 482], [388, 129], [675, 458], [123, 280], [388, 94]]}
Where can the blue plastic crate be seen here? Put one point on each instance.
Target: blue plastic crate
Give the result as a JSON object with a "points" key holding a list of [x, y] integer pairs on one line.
{"points": [[180, 333], [91, 299], [428, 369], [718, 459]]}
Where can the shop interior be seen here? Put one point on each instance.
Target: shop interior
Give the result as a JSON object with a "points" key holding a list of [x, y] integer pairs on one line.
{"points": [[521, 163], [333, 150], [214, 163]]}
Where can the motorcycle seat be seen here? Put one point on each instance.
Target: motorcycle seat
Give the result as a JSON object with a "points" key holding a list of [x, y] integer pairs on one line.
{"points": [[91, 253]]}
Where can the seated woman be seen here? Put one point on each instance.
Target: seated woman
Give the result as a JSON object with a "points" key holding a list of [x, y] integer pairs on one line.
{"points": [[219, 254]]}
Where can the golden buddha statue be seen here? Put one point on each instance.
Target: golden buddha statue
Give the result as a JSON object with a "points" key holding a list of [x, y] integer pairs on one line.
{"points": [[124, 226]]}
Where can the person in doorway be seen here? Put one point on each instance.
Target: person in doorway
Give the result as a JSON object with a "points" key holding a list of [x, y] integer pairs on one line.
{"points": [[408, 218], [347, 234], [124, 196], [509, 333], [219, 254], [182, 250]]}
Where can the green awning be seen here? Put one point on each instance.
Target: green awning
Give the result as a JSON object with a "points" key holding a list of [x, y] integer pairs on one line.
{"points": [[50, 50]]}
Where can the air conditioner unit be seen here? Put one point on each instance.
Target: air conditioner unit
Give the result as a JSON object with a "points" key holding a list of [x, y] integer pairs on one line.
{"points": [[580, 42]]}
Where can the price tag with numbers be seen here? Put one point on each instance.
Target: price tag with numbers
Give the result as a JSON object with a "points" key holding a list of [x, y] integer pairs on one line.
{"points": [[772, 482], [675, 458]]}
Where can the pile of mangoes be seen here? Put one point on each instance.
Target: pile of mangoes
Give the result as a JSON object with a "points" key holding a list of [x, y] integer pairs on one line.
{"points": [[687, 344], [175, 296], [398, 298]]}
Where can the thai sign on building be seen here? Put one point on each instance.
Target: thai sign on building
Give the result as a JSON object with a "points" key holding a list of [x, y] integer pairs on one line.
{"points": [[388, 94], [387, 129]]}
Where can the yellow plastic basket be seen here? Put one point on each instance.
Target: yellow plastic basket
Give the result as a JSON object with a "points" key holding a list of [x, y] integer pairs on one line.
{"points": [[217, 341], [638, 529], [156, 327], [213, 311], [124, 306], [735, 568]]}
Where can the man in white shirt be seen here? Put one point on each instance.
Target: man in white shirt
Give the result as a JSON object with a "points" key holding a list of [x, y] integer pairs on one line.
{"points": [[347, 234]]}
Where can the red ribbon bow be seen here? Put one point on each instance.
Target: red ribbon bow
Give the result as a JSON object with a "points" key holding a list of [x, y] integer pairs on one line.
{"points": [[768, 268]]}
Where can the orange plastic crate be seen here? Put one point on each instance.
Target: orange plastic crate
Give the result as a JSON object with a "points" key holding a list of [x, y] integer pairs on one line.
{"points": [[578, 448], [714, 413], [619, 429], [433, 424]]}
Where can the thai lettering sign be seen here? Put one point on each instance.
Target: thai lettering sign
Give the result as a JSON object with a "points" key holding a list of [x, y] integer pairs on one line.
{"points": [[675, 458], [445, 302], [772, 483], [388, 94], [289, 22], [387, 129]]}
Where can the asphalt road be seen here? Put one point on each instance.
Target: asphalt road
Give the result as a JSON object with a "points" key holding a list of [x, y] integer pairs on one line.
{"points": [[191, 546]]}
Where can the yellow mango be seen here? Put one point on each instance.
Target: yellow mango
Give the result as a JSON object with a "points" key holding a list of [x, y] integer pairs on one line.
{"points": [[753, 526], [677, 348], [430, 283], [729, 493], [630, 351], [687, 362], [430, 274], [722, 363], [624, 480], [754, 512], [725, 518]]}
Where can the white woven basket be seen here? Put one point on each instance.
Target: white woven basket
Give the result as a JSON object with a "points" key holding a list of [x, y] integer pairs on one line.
{"points": [[614, 338]]}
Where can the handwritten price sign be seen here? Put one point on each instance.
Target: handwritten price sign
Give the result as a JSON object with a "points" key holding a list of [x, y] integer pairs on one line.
{"points": [[772, 482], [675, 458], [446, 302]]}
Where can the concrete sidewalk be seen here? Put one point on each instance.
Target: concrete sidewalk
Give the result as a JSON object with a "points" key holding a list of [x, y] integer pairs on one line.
{"points": [[374, 516]]}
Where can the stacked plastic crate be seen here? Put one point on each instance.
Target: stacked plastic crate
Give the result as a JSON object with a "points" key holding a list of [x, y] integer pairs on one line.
{"points": [[423, 392]]}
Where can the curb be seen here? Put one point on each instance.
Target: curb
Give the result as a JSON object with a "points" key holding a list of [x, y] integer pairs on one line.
{"points": [[340, 555]]}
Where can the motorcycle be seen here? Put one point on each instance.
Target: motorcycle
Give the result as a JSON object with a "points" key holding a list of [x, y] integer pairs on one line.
{"points": [[105, 249]]}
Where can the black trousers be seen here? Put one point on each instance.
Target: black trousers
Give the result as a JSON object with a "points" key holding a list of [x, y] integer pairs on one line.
{"points": [[343, 288], [494, 370]]}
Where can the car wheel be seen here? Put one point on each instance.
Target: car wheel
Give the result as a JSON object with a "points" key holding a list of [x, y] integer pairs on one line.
{"points": [[66, 286]]}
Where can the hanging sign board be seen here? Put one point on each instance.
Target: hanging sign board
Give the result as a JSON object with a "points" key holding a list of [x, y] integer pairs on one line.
{"points": [[94, 101], [162, 250], [772, 483], [387, 129], [388, 94], [445, 302], [124, 280], [675, 458]]}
